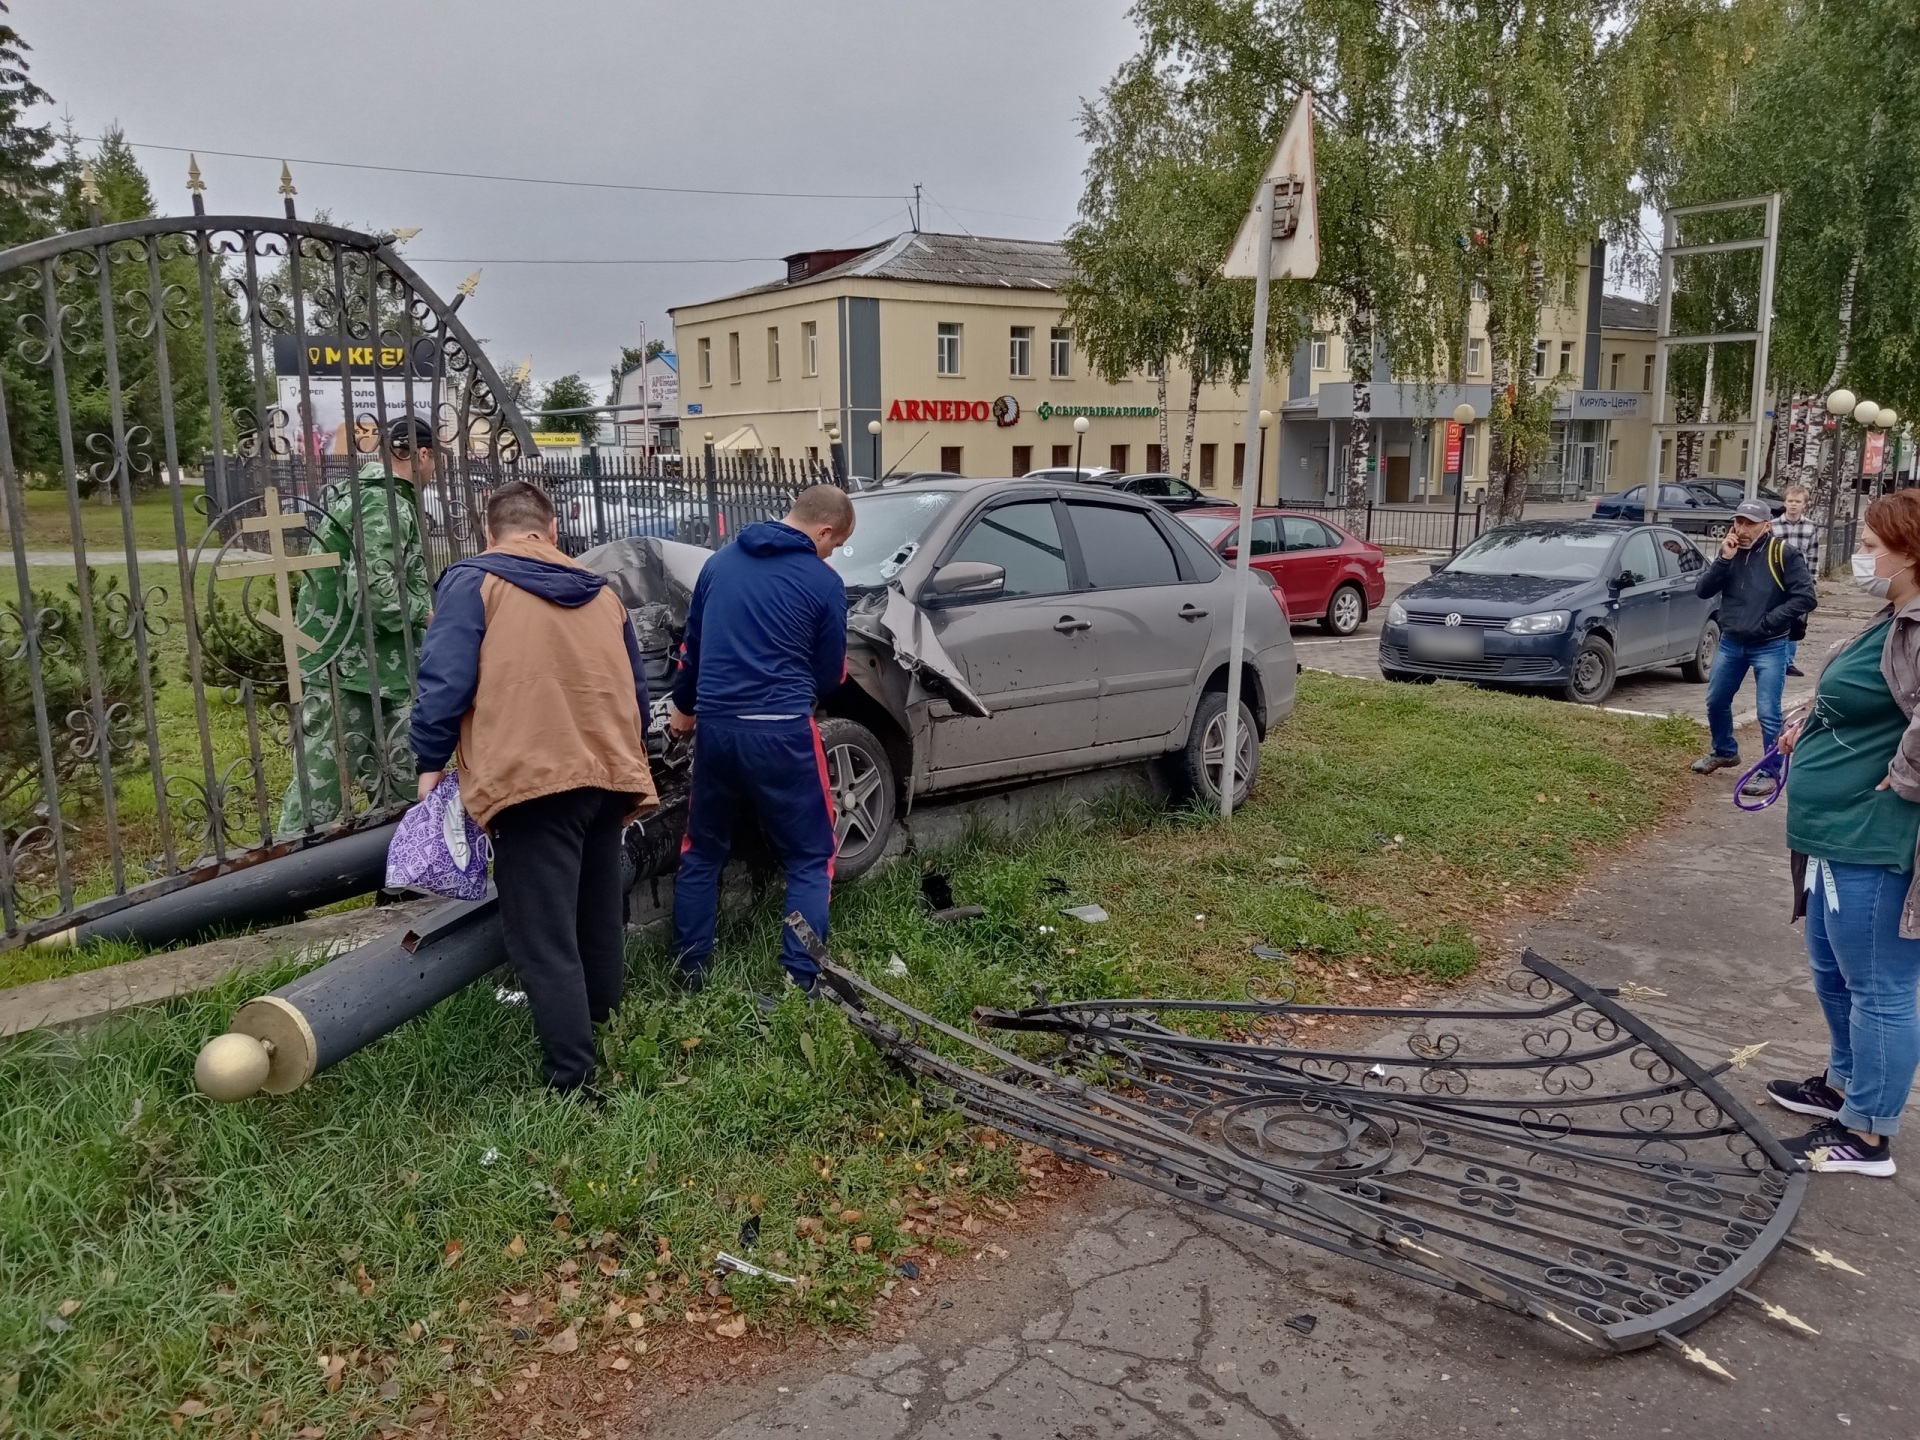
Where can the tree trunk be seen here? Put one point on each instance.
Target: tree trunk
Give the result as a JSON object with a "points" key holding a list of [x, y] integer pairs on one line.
{"points": [[1193, 416], [1827, 490], [1360, 427], [1166, 455]]}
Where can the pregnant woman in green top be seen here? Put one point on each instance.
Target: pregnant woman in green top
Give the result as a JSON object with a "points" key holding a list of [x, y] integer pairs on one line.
{"points": [[1853, 818]]}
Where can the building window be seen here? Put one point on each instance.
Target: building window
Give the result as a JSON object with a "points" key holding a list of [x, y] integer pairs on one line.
{"points": [[1646, 375], [1469, 443], [810, 346], [1117, 458], [1022, 460], [1207, 452], [950, 459], [1539, 357], [1613, 372], [1476, 356], [1060, 355], [1320, 351], [1155, 369], [1613, 459], [773, 352], [1020, 351], [947, 349], [774, 452], [1666, 458], [1239, 464], [1156, 460], [813, 452], [1062, 455], [705, 348], [733, 356], [1566, 357]]}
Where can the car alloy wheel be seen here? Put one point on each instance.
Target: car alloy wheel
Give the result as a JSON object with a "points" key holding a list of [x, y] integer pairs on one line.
{"points": [[1716, 530], [1345, 611], [1213, 749], [858, 806]]}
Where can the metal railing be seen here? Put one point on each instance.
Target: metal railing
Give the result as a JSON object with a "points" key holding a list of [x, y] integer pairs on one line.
{"points": [[1413, 527]]}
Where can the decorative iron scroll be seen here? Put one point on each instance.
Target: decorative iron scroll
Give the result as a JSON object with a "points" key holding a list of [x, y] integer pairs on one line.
{"points": [[1554, 1156]]}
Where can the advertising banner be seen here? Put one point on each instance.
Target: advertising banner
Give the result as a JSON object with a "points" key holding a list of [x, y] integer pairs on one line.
{"points": [[1455, 430], [320, 427]]}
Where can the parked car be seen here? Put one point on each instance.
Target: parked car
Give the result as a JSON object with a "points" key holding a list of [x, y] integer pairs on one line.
{"points": [[1005, 630], [1323, 572], [1732, 492], [1692, 508], [1088, 474], [1567, 605], [858, 483], [1159, 487]]}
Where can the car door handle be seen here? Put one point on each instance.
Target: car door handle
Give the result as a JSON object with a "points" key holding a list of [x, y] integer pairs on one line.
{"points": [[1191, 611], [1066, 625]]}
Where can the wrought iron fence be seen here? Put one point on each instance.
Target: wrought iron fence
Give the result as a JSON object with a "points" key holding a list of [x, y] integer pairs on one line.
{"points": [[164, 722], [1412, 527]]}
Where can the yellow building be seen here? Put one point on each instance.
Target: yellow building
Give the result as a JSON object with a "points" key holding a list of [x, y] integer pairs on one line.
{"points": [[956, 345]]}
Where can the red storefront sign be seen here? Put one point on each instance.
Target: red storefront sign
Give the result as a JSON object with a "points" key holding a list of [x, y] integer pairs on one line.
{"points": [[1454, 433], [1875, 454], [941, 410]]}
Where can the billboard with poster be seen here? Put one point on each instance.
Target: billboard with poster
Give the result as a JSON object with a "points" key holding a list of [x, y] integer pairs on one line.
{"points": [[332, 422]]}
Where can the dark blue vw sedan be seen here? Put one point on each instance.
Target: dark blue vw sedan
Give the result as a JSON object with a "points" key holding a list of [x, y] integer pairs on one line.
{"points": [[1567, 605]]}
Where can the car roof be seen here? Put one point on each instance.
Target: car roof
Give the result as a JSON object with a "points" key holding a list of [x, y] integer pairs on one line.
{"points": [[1572, 527], [1218, 507]]}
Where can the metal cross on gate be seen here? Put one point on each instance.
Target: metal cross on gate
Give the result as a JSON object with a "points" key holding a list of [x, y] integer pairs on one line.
{"points": [[281, 566]]}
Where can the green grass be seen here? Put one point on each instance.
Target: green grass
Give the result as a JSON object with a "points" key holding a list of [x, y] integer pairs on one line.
{"points": [[218, 1255], [50, 524]]}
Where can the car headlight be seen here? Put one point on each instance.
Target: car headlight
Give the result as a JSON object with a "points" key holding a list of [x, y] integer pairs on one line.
{"points": [[1396, 614], [1549, 622]]}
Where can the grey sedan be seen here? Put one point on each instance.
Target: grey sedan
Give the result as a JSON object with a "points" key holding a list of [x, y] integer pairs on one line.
{"points": [[1005, 630]]}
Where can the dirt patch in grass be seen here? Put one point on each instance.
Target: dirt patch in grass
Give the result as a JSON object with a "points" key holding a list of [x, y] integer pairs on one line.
{"points": [[347, 1257]]}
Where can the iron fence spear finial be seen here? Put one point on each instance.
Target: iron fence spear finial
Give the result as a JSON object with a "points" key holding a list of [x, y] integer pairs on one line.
{"points": [[196, 185], [90, 190]]}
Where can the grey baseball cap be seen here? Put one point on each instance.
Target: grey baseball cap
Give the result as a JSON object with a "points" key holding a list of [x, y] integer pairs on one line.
{"points": [[1754, 510]]}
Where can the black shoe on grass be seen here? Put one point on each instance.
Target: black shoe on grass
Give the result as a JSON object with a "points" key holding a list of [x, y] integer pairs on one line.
{"points": [[1707, 764], [1812, 1096], [1832, 1149]]}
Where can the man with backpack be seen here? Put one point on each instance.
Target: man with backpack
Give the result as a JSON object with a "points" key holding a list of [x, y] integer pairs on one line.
{"points": [[1766, 594]]}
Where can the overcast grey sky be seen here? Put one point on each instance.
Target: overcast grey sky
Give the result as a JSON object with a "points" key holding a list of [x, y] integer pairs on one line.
{"points": [[977, 100]]}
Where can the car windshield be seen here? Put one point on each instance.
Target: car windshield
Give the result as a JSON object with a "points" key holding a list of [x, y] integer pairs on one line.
{"points": [[1209, 527], [886, 532], [1550, 556]]}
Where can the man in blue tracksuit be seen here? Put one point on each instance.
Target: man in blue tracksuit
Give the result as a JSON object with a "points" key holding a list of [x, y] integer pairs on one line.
{"points": [[766, 641]]}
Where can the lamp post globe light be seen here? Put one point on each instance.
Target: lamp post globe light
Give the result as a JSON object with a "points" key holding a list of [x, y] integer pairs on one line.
{"points": [[1840, 402], [1887, 418], [1864, 413], [1079, 440], [873, 429]]}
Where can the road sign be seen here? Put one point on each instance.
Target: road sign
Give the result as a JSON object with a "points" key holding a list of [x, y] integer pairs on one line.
{"points": [[1295, 224]]}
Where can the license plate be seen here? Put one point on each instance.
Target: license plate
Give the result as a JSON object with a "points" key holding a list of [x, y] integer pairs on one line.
{"points": [[1443, 643]]}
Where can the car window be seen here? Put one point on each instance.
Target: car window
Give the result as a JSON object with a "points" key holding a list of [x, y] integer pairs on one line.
{"points": [[1149, 485], [1209, 527], [1201, 562], [1676, 495], [1305, 534], [1266, 535], [1550, 555], [1638, 558], [1678, 555], [1024, 540], [1121, 548], [887, 531], [1180, 490]]}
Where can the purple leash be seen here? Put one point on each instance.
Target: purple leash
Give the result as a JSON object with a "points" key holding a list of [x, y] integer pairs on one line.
{"points": [[1779, 780]]}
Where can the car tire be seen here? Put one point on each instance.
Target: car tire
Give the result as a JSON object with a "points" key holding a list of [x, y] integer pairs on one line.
{"points": [[860, 777], [1699, 669], [1195, 767], [1590, 678], [1346, 611], [1715, 530]]}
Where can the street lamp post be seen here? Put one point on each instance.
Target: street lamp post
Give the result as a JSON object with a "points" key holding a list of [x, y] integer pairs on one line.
{"points": [[1260, 466], [1079, 440], [1884, 421], [1463, 416], [1864, 414], [873, 429], [1839, 406]]}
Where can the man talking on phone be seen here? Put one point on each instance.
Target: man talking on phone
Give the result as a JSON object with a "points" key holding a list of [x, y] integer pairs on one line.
{"points": [[1765, 588]]}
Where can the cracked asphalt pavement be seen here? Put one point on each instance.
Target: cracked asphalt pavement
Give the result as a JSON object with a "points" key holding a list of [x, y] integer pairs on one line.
{"points": [[1118, 1316]]}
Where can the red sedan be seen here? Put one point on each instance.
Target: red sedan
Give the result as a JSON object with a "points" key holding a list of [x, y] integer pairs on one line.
{"points": [[1322, 570]]}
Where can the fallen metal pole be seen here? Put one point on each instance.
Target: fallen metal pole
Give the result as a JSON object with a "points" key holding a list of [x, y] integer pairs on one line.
{"points": [[279, 1041]]}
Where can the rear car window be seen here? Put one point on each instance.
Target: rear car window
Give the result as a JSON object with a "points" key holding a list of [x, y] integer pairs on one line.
{"points": [[1122, 548], [1024, 540], [1305, 534], [1266, 535]]}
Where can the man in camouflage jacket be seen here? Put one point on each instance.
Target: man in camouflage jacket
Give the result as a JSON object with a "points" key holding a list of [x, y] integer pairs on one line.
{"points": [[371, 746]]}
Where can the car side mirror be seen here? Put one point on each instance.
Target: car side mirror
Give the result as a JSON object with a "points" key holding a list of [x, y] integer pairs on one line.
{"points": [[960, 580], [1230, 552], [1623, 580]]}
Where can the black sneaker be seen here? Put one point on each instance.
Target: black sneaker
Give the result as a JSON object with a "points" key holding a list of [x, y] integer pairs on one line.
{"points": [[1832, 1149], [1707, 764], [1760, 786], [1812, 1096], [1795, 670], [692, 981]]}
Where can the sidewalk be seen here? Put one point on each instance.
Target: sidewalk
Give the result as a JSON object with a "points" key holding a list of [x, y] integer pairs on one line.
{"points": [[1124, 1318]]}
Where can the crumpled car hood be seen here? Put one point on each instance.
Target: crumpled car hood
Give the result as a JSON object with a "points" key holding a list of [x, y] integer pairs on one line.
{"points": [[654, 580]]}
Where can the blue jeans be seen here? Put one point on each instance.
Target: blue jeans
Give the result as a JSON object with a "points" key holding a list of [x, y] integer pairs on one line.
{"points": [[1730, 665], [1866, 977], [776, 771]]}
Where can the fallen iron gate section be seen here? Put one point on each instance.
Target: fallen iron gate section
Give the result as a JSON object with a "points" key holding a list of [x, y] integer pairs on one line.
{"points": [[1551, 1154], [162, 723]]}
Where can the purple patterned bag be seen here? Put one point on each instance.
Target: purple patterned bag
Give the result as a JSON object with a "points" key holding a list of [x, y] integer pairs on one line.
{"points": [[438, 848]]}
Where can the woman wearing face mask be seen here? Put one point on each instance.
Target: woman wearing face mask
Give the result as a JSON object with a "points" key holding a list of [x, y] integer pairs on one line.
{"points": [[1853, 823]]}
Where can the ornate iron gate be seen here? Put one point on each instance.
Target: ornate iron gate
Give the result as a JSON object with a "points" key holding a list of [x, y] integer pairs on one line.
{"points": [[193, 685]]}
